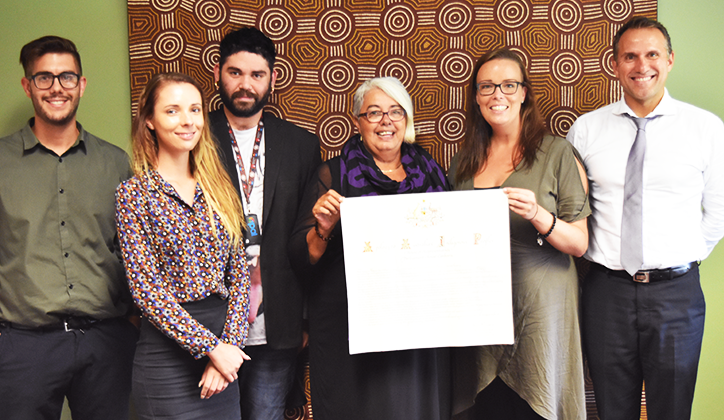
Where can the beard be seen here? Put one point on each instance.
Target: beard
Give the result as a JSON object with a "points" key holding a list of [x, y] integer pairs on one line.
{"points": [[56, 119], [243, 110]]}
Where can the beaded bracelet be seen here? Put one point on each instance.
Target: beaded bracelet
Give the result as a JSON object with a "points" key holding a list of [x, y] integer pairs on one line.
{"points": [[541, 237], [327, 239]]}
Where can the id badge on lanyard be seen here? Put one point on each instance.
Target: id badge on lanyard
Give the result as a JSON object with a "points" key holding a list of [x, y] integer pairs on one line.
{"points": [[252, 234]]}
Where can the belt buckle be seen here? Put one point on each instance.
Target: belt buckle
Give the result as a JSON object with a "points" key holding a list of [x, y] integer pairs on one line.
{"points": [[69, 328], [642, 277]]}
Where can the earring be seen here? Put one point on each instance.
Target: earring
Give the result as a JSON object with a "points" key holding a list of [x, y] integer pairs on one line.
{"points": [[216, 84]]}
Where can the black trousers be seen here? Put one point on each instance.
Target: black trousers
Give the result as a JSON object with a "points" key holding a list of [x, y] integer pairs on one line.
{"points": [[636, 333], [92, 368]]}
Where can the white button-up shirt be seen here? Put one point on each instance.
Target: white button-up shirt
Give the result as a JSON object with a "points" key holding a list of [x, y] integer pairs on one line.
{"points": [[683, 177]]}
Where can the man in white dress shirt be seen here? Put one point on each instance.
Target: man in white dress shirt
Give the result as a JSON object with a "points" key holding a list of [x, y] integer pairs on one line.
{"points": [[642, 304]]}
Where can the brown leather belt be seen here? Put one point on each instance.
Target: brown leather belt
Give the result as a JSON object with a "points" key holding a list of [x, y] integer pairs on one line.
{"points": [[648, 276]]}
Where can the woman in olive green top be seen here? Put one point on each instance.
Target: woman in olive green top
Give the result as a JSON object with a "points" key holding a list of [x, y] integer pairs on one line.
{"points": [[506, 146]]}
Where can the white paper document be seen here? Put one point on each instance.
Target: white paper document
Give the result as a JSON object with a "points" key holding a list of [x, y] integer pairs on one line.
{"points": [[427, 270]]}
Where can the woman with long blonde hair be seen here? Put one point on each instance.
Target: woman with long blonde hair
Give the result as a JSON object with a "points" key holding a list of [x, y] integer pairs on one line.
{"points": [[180, 226]]}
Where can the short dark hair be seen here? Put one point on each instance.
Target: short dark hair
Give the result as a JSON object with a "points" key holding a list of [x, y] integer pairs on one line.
{"points": [[640, 22], [247, 39], [33, 50]]}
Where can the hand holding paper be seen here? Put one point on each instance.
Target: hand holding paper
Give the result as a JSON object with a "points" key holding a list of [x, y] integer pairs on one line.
{"points": [[428, 270]]}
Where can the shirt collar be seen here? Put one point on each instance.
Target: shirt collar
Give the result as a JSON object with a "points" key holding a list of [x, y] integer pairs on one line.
{"points": [[30, 141], [667, 106], [156, 182], [159, 184]]}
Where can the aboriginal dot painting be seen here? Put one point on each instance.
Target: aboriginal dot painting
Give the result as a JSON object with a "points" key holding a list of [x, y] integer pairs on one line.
{"points": [[326, 48]]}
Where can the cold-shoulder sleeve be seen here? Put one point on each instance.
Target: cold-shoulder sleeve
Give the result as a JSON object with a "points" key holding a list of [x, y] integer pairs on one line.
{"points": [[572, 203]]}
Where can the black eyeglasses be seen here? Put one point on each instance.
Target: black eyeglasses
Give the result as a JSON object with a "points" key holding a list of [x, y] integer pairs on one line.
{"points": [[44, 80], [508, 88], [395, 114]]}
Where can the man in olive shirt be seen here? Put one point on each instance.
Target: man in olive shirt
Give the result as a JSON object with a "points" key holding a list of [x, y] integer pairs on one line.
{"points": [[63, 294]]}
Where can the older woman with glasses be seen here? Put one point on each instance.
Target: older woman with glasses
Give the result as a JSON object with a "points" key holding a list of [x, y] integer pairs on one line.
{"points": [[381, 159], [506, 146]]}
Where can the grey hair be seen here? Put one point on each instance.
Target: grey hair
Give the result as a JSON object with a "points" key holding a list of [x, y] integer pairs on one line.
{"points": [[393, 88]]}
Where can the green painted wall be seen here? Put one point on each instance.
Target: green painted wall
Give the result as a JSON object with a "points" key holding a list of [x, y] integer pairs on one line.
{"points": [[697, 37], [99, 28]]}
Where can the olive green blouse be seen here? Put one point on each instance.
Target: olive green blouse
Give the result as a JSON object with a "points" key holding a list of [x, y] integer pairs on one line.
{"points": [[545, 364]]}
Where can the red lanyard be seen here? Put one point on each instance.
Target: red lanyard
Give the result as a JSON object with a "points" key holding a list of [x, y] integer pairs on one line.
{"points": [[246, 187]]}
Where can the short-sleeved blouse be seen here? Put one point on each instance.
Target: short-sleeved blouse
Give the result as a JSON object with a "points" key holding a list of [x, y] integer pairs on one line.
{"points": [[173, 254], [545, 364]]}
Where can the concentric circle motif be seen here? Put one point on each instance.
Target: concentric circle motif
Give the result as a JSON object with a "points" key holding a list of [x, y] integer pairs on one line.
{"points": [[398, 68], [211, 13], [334, 130], [210, 57], [215, 102], [276, 23], [456, 67], [455, 18], [169, 45], [523, 56], [513, 13], [294, 413], [399, 21], [606, 62], [566, 15], [562, 120], [285, 73], [273, 109], [164, 5], [617, 10], [338, 75], [335, 26], [567, 68], [452, 126]]}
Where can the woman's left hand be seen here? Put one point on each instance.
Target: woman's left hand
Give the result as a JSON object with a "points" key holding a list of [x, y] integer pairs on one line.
{"points": [[212, 382], [227, 359], [522, 202], [571, 238]]}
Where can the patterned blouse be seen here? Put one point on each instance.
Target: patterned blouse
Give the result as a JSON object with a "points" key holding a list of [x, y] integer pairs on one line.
{"points": [[172, 256]]}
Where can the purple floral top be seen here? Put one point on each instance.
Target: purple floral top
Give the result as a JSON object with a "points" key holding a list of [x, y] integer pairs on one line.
{"points": [[172, 256]]}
